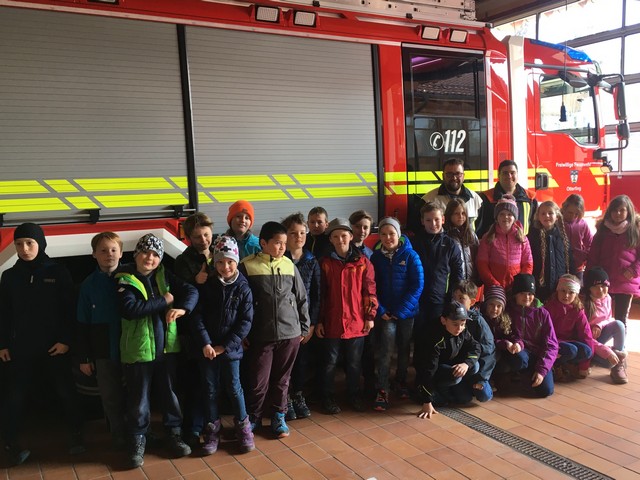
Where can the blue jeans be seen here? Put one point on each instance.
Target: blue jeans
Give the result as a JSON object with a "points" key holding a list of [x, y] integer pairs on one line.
{"points": [[454, 389], [138, 377], [388, 334], [525, 362], [353, 362], [229, 371], [573, 352]]}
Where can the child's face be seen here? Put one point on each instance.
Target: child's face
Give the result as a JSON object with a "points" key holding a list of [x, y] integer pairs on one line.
{"points": [[389, 237], [458, 217], [340, 240], [571, 213], [361, 230], [201, 238], [620, 214], [524, 299], [464, 299], [26, 248], [454, 327], [108, 254], [276, 246], [296, 237], [317, 223], [505, 220], [494, 308], [432, 221], [226, 268], [240, 224], [566, 296], [547, 217], [598, 291], [147, 262]]}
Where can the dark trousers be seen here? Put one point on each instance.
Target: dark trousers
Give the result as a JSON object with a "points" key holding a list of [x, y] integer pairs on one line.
{"points": [[621, 306], [267, 375], [213, 372], [23, 374], [525, 362], [139, 377], [352, 348], [300, 367], [109, 377]]}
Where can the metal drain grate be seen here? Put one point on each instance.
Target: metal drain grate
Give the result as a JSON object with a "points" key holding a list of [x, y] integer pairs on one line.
{"points": [[541, 454]]}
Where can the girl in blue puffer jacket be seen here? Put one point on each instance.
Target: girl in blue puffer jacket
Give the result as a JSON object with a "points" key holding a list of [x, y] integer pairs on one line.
{"points": [[399, 284]]}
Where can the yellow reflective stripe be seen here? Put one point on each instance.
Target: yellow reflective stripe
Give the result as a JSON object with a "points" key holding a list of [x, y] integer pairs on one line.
{"points": [[142, 200], [82, 203], [395, 176], [326, 178], [181, 182], [477, 186], [235, 181], [13, 187], [297, 193], [284, 179], [203, 198], [337, 192], [250, 195], [32, 205], [419, 189], [369, 177], [475, 175], [119, 184], [61, 186]]}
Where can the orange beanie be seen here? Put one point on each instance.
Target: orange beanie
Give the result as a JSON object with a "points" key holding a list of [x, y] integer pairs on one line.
{"points": [[241, 206]]}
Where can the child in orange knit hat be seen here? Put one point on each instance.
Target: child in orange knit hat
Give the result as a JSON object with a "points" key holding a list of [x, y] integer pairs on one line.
{"points": [[240, 219]]}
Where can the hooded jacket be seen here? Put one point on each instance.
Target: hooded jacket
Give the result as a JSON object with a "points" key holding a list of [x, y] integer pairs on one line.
{"points": [[569, 323], [525, 199], [580, 239], [555, 261], [309, 269], [481, 333], [189, 263]]}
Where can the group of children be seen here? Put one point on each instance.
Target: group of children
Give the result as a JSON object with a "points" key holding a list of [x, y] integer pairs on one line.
{"points": [[262, 318]]}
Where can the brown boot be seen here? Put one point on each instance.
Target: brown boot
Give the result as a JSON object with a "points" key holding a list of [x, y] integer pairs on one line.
{"points": [[619, 372]]}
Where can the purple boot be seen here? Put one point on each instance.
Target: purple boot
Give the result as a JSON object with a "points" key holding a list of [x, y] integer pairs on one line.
{"points": [[245, 435], [211, 437]]}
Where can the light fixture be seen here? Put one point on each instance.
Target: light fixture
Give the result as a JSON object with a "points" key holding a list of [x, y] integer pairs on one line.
{"points": [[458, 36], [267, 14], [304, 19], [430, 33]]}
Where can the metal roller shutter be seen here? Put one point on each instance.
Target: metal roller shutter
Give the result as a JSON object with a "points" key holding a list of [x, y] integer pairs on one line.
{"points": [[284, 122]]}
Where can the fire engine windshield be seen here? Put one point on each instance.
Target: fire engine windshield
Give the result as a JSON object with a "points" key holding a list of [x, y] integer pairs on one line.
{"points": [[568, 108]]}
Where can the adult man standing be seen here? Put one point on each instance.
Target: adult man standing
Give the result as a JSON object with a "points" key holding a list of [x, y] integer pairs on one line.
{"points": [[507, 183], [452, 187]]}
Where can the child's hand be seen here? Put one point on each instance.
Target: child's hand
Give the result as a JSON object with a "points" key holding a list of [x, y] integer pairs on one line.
{"points": [[309, 334], [595, 331], [537, 380], [613, 359], [4, 355], [368, 325], [209, 352], [320, 330], [58, 349], [386, 317], [245, 343], [478, 386], [87, 369], [219, 349], [459, 370], [514, 348], [203, 274], [174, 313], [168, 297], [427, 411]]}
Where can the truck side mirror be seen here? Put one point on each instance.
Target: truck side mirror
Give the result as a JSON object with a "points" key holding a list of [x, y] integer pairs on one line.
{"points": [[619, 101], [542, 181]]}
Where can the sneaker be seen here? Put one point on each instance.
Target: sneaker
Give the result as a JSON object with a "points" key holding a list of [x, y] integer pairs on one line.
{"points": [[255, 423], [382, 401], [402, 390], [136, 452], [300, 406], [17, 455], [619, 373], [330, 406], [176, 445], [245, 435], [279, 426], [291, 412], [193, 440], [356, 403], [211, 438], [622, 354], [76, 444]]}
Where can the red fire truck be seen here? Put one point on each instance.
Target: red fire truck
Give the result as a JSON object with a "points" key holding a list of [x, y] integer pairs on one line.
{"points": [[127, 115]]}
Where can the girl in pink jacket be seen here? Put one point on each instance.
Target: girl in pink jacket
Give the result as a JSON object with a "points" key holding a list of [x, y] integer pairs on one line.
{"points": [[579, 233], [572, 329], [504, 250], [616, 248]]}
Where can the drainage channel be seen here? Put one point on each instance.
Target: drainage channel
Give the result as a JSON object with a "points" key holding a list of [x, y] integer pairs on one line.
{"points": [[541, 454]]}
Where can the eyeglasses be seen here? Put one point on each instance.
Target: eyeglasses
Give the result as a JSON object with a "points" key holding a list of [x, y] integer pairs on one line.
{"points": [[454, 174]]}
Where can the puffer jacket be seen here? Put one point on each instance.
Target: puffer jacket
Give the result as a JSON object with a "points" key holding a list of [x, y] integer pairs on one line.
{"points": [[223, 315], [610, 251], [533, 325], [499, 261], [555, 261], [189, 263], [469, 254], [309, 269], [481, 333], [399, 280], [580, 239], [525, 199], [280, 308], [348, 295]]}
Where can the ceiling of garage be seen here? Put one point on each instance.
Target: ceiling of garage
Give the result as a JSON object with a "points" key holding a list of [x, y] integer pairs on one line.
{"points": [[503, 11]]}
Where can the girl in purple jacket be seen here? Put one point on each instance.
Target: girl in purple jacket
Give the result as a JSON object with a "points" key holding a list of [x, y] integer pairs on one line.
{"points": [[616, 248], [579, 233], [533, 326]]}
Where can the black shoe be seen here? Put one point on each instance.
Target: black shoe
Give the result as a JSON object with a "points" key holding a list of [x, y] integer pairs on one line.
{"points": [[17, 455], [300, 406], [76, 444], [356, 403], [330, 406], [136, 452], [176, 445], [291, 412]]}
